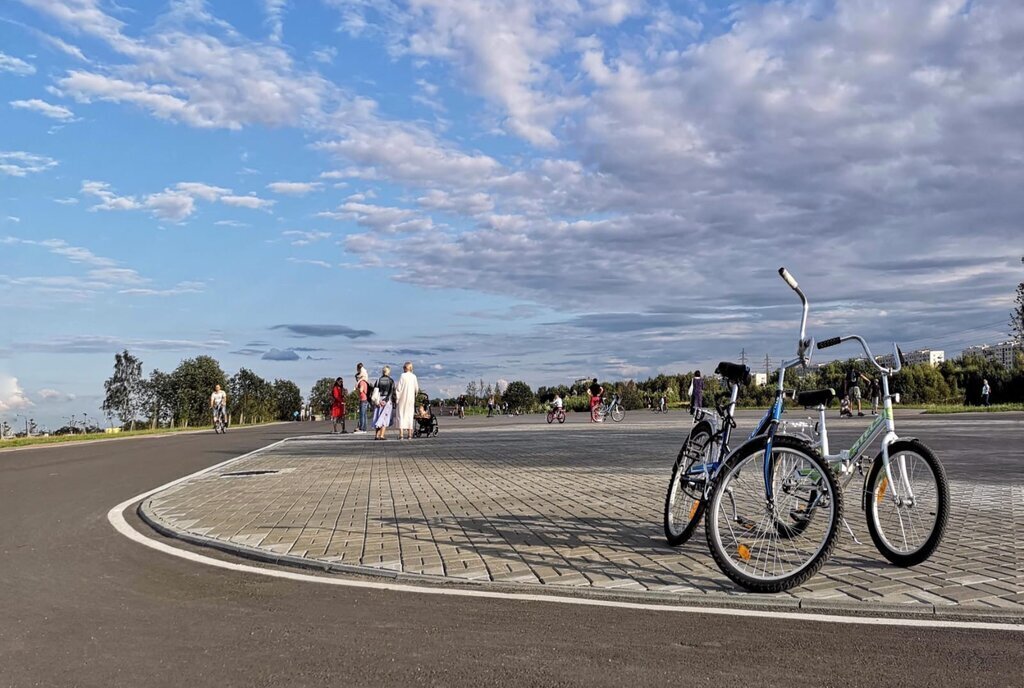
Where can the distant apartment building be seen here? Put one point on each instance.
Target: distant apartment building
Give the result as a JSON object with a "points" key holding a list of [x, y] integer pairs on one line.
{"points": [[932, 357], [1003, 353], [758, 379]]}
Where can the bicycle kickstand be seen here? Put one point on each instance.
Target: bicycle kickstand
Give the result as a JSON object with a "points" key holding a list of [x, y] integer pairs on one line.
{"points": [[849, 530]]}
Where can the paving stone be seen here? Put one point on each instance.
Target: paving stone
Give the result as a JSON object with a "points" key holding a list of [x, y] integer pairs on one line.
{"points": [[544, 507]]}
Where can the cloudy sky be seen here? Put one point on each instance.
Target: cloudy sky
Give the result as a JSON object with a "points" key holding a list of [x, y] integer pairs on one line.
{"points": [[535, 189]]}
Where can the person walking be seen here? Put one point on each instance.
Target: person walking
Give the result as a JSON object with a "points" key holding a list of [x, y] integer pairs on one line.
{"points": [[853, 378], [338, 406], [876, 395], [405, 395], [384, 391], [696, 392], [490, 406], [363, 389], [986, 392], [596, 392]]}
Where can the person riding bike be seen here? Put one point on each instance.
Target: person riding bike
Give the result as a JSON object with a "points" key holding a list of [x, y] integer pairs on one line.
{"points": [[219, 405]]}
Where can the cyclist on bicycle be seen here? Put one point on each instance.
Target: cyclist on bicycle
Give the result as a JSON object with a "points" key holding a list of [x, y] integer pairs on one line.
{"points": [[219, 405]]}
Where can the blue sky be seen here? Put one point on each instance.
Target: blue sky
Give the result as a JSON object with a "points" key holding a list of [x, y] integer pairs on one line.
{"points": [[498, 190]]}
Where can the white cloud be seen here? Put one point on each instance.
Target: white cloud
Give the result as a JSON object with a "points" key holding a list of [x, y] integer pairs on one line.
{"points": [[301, 238], [66, 201], [251, 201], [202, 191], [192, 68], [294, 188], [188, 287], [58, 112], [382, 218], [20, 163], [108, 199], [12, 396], [171, 205], [274, 10], [64, 46], [175, 203], [305, 261], [13, 65], [54, 395]]}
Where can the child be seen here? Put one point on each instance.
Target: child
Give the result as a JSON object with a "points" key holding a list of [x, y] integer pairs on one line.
{"points": [[844, 408]]}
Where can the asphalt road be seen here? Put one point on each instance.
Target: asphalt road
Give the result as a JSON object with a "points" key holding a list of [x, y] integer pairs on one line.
{"points": [[80, 605]]}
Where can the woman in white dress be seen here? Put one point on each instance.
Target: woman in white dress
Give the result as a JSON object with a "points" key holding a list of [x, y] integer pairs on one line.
{"points": [[408, 388]]}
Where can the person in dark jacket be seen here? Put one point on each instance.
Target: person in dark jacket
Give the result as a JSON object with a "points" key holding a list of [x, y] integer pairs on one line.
{"points": [[385, 388], [338, 406], [696, 392]]}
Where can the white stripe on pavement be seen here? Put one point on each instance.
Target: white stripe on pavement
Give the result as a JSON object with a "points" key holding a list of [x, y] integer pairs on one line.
{"points": [[118, 521]]}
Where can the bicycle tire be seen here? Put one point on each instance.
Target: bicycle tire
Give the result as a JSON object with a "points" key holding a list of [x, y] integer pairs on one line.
{"points": [[551, 417], [618, 413], [876, 488], [818, 477], [693, 449], [561, 417]]}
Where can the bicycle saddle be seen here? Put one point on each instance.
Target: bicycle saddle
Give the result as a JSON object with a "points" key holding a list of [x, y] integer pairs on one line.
{"points": [[816, 397], [734, 372]]}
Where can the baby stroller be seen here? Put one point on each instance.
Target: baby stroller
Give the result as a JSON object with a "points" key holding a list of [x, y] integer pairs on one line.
{"points": [[426, 421]]}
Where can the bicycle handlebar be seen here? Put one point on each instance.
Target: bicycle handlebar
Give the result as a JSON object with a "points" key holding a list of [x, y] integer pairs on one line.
{"points": [[804, 343], [789, 279], [897, 355]]}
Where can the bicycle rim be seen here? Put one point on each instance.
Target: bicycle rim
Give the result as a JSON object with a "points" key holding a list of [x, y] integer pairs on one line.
{"points": [[904, 527], [686, 492], [744, 532]]}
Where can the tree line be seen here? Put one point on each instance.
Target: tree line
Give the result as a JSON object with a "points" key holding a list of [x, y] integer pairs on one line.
{"points": [[181, 398]]}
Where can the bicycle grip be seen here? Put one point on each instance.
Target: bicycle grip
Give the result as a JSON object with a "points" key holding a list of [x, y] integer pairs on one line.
{"points": [[784, 273], [829, 342]]}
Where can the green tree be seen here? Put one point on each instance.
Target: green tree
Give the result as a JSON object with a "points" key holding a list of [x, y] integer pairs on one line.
{"points": [[519, 396], [471, 393], [251, 398], [194, 380], [124, 389], [287, 399], [320, 398], [158, 396], [1017, 316]]}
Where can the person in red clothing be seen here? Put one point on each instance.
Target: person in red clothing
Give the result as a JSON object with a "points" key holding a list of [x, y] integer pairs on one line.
{"points": [[338, 405]]}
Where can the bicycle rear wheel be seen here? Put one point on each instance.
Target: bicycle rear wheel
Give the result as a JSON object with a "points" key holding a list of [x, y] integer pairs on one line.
{"points": [[743, 530], [684, 503], [907, 531]]}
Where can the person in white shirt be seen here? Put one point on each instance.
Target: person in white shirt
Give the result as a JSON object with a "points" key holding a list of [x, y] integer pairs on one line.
{"points": [[219, 404], [557, 402]]}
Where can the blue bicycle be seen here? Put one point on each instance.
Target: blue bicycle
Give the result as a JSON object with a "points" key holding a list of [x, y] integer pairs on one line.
{"points": [[773, 507], [700, 458]]}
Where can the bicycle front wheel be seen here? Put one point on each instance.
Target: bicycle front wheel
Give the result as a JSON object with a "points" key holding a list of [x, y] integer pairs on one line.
{"points": [[907, 517], [618, 413], [742, 525], [684, 503], [551, 417]]}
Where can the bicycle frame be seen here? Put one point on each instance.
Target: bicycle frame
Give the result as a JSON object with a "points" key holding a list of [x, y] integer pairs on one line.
{"points": [[802, 359], [708, 469], [883, 425]]}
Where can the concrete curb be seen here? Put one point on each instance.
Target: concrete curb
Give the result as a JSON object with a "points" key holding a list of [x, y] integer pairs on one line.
{"points": [[736, 600]]}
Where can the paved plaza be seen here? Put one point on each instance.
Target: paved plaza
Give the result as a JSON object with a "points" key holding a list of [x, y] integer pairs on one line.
{"points": [[574, 507]]}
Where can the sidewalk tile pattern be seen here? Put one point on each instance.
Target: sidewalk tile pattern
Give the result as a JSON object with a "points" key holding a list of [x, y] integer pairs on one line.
{"points": [[556, 509]]}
